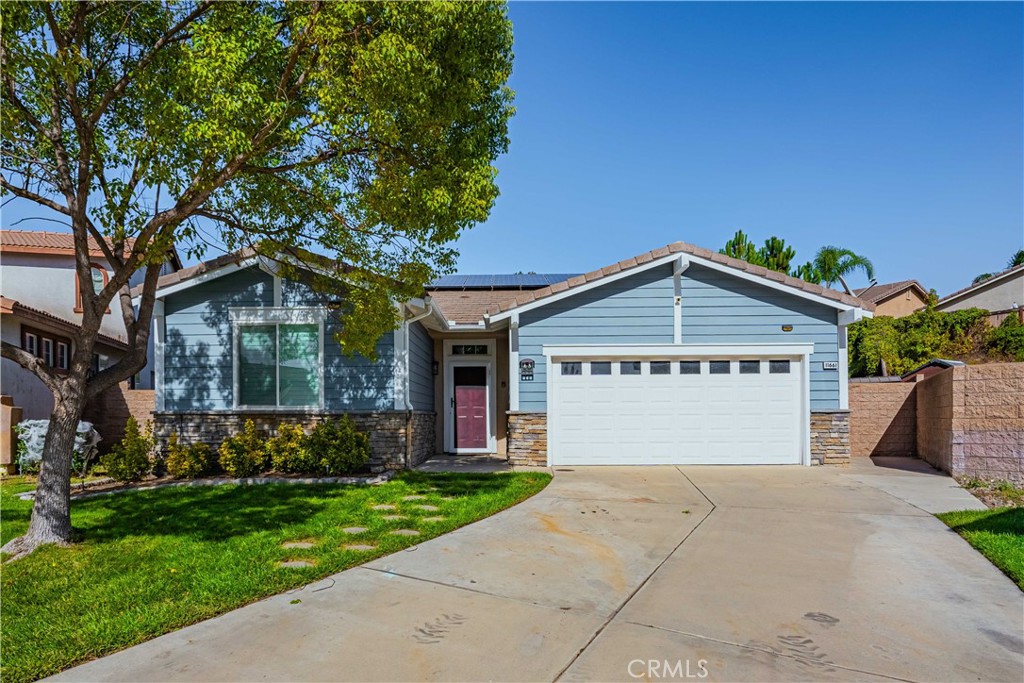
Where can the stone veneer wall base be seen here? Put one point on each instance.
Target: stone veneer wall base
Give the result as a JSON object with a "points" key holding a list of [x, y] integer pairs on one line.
{"points": [[528, 439], [387, 430], [830, 437]]}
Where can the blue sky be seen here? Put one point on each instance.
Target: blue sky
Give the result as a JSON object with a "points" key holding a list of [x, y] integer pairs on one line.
{"points": [[891, 129], [894, 129]]}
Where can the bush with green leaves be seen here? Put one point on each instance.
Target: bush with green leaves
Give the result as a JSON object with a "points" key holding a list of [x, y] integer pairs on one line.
{"points": [[908, 342], [130, 460], [1008, 338], [191, 461], [244, 454], [289, 452], [338, 447]]}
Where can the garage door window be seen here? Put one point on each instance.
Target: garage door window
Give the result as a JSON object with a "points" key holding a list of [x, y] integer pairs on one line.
{"points": [[689, 367], [601, 367], [629, 367], [719, 367], [750, 367], [778, 367], [574, 368], [661, 367]]}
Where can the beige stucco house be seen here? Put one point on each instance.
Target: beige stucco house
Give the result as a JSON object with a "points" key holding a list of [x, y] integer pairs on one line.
{"points": [[1000, 293], [895, 299]]}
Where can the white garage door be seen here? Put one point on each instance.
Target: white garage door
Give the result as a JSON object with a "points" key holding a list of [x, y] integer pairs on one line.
{"points": [[646, 412]]}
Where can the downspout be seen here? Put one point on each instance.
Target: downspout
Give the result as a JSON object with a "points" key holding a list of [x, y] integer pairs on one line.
{"points": [[408, 400]]}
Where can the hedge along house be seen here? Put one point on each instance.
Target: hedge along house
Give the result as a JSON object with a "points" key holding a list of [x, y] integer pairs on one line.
{"points": [[677, 356]]}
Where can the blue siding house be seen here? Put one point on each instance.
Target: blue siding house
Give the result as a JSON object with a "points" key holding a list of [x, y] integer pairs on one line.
{"points": [[675, 356]]}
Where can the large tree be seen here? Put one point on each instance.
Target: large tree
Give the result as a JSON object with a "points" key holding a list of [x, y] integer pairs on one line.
{"points": [[835, 264], [364, 130]]}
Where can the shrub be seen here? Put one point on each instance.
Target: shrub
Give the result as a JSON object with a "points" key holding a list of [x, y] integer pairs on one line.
{"points": [[244, 454], [1008, 338], [289, 452], [32, 436], [189, 462], [129, 459], [908, 342], [338, 447]]}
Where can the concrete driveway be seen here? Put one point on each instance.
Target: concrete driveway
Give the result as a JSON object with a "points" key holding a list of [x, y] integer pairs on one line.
{"points": [[656, 573]]}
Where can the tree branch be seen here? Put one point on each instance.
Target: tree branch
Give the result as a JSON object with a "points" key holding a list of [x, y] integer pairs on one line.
{"points": [[33, 364]]}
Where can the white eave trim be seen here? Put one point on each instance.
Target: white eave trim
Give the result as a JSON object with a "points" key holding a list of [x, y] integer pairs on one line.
{"points": [[226, 269], [676, 350], [671, 258]]}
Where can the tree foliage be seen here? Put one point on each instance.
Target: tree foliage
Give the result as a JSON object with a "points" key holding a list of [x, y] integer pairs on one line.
{"points": [[361, 130], [908, 342], [830, 264]]}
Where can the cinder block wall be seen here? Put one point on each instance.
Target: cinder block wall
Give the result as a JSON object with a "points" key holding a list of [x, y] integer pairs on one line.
{"points": [[883, 418], [971, 421]]}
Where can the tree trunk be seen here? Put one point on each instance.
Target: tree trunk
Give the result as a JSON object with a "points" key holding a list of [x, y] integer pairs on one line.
{"points": [[51, 512]]}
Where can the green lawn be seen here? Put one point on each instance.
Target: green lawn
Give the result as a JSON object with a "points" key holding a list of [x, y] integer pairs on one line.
{"points": [[153, 561], [998, 534]]}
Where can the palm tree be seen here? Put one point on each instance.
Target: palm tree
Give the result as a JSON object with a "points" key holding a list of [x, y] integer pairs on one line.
{"points": [[834, 263], [1016, 260], [981, 278]]}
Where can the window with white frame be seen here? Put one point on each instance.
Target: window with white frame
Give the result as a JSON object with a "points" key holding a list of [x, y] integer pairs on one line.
{"points": [[279, 358]]}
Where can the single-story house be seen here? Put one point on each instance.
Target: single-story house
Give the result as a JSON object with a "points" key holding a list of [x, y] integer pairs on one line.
{"points": [[679, 355], [1002, 292], [894, 299]]}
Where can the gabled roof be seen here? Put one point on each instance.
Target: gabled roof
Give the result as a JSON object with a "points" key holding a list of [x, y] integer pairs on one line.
{"points": [[876, 293], [509, 281], [44, 242], [471, 305], [12, 307], [984, 283], [701, 256]]}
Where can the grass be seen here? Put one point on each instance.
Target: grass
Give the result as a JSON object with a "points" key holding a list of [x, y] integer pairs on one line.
{"points": [[998, 534], [149, 562]]}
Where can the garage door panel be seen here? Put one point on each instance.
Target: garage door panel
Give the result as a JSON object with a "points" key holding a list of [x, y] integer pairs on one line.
{"points": [[676, 418]]}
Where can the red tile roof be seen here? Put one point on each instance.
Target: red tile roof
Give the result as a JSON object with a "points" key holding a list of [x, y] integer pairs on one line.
{"points": [[42, 242]]}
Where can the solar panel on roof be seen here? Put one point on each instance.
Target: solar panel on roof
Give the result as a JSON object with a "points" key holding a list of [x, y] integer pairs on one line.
{"points": [[499, 281]]}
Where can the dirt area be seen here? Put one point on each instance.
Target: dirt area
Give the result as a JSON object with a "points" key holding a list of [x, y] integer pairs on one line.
{"points": [[995, 494]]}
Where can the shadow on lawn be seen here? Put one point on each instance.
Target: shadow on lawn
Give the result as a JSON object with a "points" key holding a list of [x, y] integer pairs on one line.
{"points": [[1009, 521], [217, 513], [209, 513]]}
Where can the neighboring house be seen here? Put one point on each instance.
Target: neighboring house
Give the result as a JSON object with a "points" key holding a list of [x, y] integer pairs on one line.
{"points": [[679, 355], [895, 299], [1000, 293], [42, 308]]}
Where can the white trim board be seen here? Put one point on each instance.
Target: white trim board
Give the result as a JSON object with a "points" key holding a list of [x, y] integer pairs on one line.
{"points": [[451, 361], [654, 263]]}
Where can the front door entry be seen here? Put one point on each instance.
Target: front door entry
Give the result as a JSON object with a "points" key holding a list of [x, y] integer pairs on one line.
{"points": [[470, 403]]}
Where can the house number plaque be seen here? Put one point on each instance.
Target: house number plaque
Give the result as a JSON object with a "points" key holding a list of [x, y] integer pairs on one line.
{"points": [[526, 366]]}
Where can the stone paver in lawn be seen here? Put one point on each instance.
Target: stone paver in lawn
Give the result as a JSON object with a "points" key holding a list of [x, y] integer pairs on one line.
{"points": [[428, 508], [359, 547], [433, 519], [413, 497], [405, 532], [354, 529], [383, 506], [298, 544], [393, 518], [295, 564]]}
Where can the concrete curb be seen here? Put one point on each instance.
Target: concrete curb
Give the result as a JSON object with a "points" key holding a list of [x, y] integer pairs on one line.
{"points": [[246, 481]]}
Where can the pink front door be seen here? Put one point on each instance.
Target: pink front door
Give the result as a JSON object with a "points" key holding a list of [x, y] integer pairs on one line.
{"points": [[470, 416]]}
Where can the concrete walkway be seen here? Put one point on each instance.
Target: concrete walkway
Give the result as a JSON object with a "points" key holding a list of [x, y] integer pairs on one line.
{"points": [[745, 573]]}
